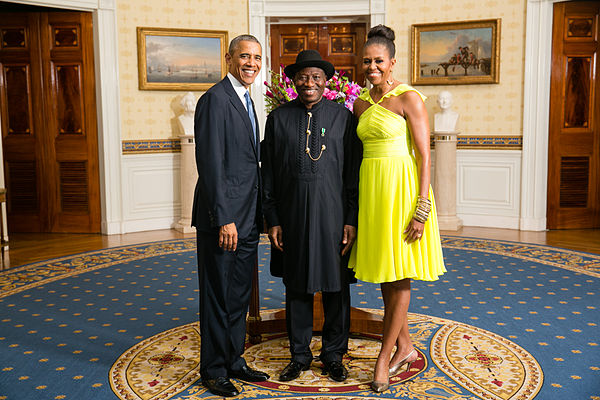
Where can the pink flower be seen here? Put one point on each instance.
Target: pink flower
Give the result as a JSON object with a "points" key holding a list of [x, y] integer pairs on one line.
{"points": [[339, 89], [291, 93], [330, 94]]}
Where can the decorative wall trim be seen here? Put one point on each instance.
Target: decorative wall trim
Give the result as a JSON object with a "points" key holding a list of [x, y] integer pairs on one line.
{"points": [[151, 191], [489, 142], [463, 142], [151, 146]]}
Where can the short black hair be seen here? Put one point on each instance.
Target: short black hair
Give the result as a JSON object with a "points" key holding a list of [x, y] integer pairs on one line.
{"points": [[235, 42]]}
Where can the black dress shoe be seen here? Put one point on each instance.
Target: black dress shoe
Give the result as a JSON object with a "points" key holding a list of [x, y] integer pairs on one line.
{"points": [[249, 375], [221, 386], [336, 370], [292, 371]]}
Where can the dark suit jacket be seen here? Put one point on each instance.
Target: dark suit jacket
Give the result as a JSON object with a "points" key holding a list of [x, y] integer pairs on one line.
{"points": [[227, 159]]}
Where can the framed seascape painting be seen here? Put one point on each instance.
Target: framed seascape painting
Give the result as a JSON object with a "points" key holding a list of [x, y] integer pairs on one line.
{"points": [[180, 59], [456, 53]]}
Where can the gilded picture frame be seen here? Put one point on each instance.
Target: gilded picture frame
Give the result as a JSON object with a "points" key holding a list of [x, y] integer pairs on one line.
{"points": [[456, 53], [180, 59]]}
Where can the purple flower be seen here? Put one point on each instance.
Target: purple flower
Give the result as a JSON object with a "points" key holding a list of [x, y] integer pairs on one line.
{"points": [[291, 93]]}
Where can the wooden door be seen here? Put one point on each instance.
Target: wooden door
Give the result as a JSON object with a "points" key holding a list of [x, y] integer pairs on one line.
{"points": [[574, 137], [340, 44], [49, 133]]}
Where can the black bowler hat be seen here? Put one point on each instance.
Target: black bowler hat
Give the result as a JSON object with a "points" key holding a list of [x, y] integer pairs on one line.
{"points": [[309, 58]]}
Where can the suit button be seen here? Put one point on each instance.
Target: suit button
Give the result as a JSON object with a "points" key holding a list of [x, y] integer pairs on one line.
{"points": [[256, 187]]}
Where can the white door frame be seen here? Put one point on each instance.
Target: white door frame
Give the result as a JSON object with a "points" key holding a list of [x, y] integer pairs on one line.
{"points": [[260, 10], [536, 114], [107, 102]]}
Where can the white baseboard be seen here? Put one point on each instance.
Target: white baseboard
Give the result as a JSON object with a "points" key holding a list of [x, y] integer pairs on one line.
{"points": [[532, 224], [489, 221], [148, 224]]}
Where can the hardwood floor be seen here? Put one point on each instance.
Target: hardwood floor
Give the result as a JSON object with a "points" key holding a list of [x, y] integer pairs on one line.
{"points": [[25, 248], [587, 240]]}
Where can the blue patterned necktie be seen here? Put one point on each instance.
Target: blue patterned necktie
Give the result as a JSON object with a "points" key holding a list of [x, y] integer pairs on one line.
{"points": [[251, 114]]}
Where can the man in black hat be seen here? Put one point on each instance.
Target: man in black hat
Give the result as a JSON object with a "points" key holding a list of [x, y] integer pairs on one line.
{"points": [[310, 162]]}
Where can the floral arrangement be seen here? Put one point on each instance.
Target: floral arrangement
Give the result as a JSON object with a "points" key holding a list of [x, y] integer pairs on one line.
{"points": [[339, 89]]}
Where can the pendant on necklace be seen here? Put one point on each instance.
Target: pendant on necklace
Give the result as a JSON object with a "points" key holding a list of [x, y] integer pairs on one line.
{"points": [[307, 150]]}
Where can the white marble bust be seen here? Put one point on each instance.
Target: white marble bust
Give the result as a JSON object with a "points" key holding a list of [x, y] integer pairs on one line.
{"points": [[446, 119], [186, 120]]}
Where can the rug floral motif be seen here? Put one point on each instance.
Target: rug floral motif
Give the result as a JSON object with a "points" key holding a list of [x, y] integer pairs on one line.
{"points": [[483, 364]]}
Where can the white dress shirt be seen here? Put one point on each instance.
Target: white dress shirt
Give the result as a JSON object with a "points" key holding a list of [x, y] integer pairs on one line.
{"points": [[239, 88]]}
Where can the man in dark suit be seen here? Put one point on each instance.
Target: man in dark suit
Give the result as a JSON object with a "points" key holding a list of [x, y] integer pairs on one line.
{"points": [[226, 214]]}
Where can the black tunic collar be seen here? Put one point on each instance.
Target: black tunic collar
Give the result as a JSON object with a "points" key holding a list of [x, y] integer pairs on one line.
{"points": [[315, 107]]}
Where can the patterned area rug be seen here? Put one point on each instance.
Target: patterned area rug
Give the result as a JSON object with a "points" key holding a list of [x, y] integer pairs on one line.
{"points": [[508, 321]]}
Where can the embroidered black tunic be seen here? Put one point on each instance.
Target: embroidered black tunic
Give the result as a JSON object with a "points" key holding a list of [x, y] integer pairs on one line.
{"points": [[310, 200]]}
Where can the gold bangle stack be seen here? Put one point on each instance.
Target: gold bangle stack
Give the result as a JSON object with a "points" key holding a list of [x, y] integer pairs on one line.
{"points": [[423, 209]]}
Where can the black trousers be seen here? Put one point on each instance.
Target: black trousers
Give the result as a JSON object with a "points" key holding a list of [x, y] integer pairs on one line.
{"points": [[225, 280], [336, 328]]}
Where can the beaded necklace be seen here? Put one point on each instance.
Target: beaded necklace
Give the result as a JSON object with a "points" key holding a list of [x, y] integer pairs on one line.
{"points": [[307, 150]]}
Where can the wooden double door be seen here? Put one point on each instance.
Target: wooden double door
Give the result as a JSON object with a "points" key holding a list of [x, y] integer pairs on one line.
{"points": [[574, 126], [48, 112], [340, 44]]}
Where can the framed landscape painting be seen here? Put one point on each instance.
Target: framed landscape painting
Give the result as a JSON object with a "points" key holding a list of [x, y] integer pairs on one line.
{"points": [[456, 53], [180, 59]]}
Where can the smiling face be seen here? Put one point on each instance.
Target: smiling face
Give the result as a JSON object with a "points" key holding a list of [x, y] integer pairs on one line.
{"points": [[310, 85], [245, 62], [377, 64]]}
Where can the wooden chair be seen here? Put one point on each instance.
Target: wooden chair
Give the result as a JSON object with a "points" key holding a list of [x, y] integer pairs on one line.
{"points": [[361, 321]]}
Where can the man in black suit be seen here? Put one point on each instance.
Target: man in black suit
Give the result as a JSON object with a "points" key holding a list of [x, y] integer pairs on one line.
{"points": [[226, 215]]}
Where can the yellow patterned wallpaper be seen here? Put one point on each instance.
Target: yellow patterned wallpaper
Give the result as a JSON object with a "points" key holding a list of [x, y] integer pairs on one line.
{"points": [[150, 114], [491, 109]]}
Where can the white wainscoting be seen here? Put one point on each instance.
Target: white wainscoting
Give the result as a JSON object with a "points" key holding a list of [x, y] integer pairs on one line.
{"points": [[488, 192], [488, 189], [151, 191]]}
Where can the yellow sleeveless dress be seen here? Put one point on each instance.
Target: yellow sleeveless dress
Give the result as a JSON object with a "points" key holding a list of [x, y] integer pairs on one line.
{"points": [[387, 197]]}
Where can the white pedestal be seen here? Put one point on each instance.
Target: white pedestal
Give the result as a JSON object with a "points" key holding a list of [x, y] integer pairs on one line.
{"points": [[189, 176], [444, 187]]}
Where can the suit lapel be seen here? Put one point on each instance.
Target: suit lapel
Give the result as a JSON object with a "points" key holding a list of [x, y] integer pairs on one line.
{"points": [[239, 106]]}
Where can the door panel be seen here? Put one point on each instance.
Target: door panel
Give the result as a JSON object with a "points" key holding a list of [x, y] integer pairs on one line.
{"points": [[61, 147], [574, 138], [340, 44], [22, 117]]}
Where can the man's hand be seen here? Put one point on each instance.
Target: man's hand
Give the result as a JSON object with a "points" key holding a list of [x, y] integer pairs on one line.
{"points": [[276, 237], [349, 238], [228, 237]]}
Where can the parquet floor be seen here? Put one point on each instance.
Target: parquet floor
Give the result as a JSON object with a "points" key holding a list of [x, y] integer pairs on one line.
{"points": [[25, 248]]}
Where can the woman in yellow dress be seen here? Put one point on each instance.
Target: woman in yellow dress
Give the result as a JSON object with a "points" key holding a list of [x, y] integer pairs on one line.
{"points": [[398, 236]]}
